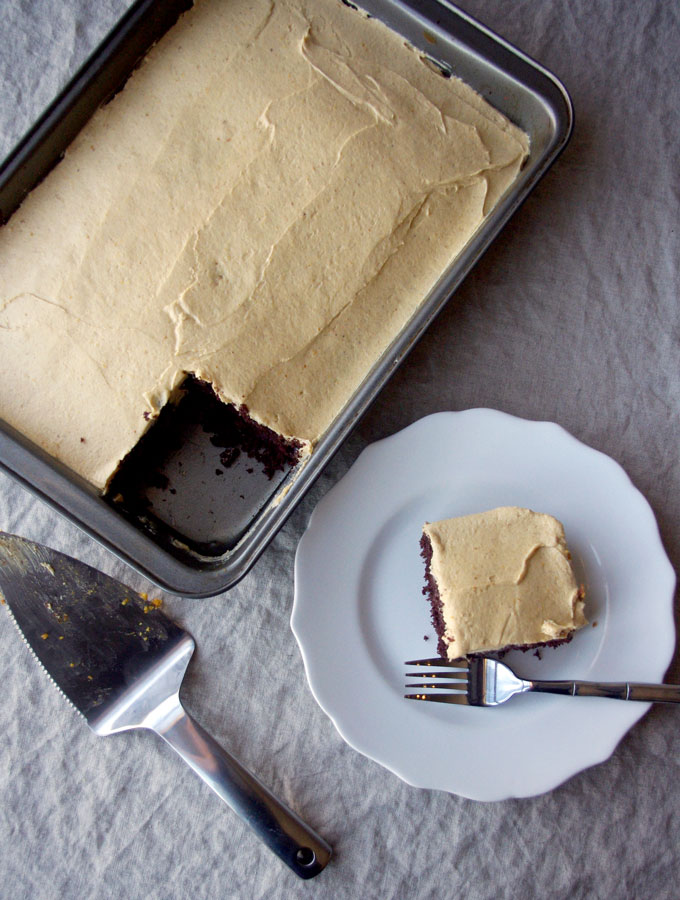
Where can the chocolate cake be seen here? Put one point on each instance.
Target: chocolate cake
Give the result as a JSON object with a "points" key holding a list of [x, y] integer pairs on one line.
{"points": [[263, 207], [500, 580]]}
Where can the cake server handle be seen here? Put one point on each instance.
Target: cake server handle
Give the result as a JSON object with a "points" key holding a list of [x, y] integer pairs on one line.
{"points": [[304, 851]]}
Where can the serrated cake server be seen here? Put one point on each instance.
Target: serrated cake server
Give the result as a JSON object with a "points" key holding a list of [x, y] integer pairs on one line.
{"points": [[120, 661]]}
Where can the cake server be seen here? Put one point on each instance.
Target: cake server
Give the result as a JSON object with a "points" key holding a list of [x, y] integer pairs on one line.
{"points": [[120, 661]]}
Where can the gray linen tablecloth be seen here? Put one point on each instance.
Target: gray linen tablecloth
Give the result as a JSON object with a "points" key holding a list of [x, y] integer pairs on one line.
{"points": [[572, 316]]}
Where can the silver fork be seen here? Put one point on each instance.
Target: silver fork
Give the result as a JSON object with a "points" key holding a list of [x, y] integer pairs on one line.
{"points": [[486, 682]]}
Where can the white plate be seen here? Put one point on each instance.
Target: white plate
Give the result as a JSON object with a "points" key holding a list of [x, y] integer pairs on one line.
{"points": [[359, 611]]}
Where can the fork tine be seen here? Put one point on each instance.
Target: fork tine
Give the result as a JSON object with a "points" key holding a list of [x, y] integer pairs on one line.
{"points": [[455, 687], [440, 698], [461, 676], [438, 661]]}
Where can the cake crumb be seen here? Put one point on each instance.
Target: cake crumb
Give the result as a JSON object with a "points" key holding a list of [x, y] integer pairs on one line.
{"points": [[229, 456], [156, 603]]}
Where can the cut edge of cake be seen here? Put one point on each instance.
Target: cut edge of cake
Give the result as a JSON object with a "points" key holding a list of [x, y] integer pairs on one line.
{"points": [[231, 426]]}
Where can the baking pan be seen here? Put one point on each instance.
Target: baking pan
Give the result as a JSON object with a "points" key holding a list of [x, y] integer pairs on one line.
{"points": [[203, 541]]}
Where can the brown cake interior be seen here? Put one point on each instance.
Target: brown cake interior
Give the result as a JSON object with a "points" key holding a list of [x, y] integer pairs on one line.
{"points": [[431, 591]]}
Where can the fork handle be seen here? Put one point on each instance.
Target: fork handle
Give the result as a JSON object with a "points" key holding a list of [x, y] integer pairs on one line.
{"points": [[627, 690], [277, 826]]}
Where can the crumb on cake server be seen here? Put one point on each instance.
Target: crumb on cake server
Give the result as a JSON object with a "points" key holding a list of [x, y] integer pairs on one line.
{"points": [[262, 207], [498, 580]]}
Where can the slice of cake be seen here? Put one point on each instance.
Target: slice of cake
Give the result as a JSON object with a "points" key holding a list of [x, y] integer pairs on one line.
{"points": [[498, 580]]}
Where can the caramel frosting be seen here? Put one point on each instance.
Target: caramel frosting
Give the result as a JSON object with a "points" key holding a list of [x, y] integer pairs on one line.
{"points": [[264, 205], [504, 579]]}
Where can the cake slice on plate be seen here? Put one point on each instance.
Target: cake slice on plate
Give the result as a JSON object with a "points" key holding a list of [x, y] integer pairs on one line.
{"points": [[500, 580]]}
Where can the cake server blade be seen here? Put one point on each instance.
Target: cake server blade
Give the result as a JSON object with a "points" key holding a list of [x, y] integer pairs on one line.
{"points": [[120, 661]]}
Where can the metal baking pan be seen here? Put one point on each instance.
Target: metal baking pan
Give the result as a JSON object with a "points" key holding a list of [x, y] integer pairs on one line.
{"points": [[171, 550]]}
